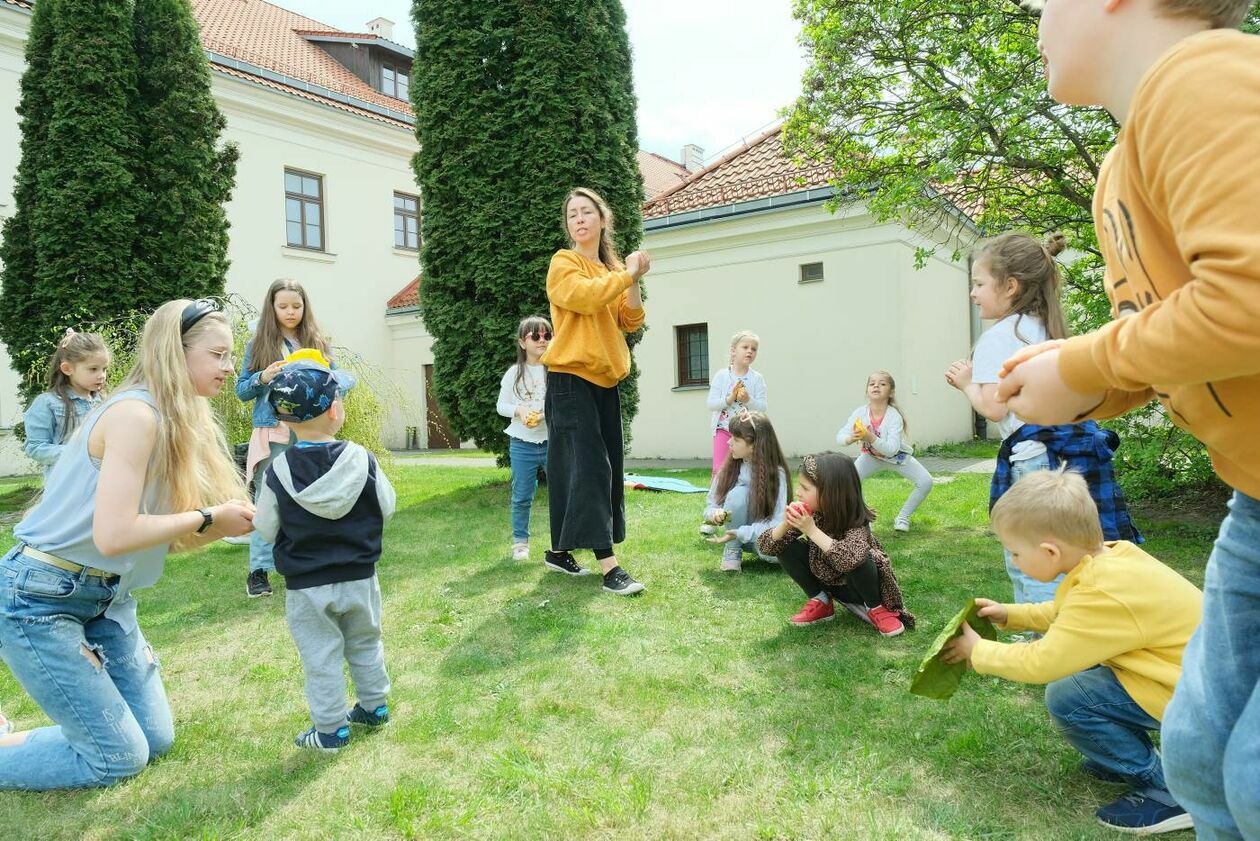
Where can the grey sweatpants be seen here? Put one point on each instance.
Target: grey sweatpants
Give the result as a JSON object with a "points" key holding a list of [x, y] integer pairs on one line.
{"points": [[331, 623], [910, 468]]}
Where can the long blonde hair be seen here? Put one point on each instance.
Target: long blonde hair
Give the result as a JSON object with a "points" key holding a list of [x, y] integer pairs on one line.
{"points": [[607, 251], [190, 457]]}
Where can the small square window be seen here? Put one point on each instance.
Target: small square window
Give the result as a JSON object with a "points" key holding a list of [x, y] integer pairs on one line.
{"points": [[692, 341], [811, 272]]}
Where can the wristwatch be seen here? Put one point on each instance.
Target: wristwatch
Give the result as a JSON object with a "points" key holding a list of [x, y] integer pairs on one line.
{"points": [[207, 520]]}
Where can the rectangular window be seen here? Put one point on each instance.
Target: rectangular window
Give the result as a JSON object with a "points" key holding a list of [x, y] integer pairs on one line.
{"points": [[693, 354], [304, 209], [811, 272], [406, 222], [395, 82]]}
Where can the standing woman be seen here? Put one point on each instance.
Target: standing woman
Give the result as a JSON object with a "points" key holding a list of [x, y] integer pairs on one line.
{"points": [[148, 471], [595, 302]]}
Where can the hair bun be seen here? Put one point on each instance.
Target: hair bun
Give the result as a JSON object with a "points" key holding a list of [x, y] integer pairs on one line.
{"points": [[1055, 244]]}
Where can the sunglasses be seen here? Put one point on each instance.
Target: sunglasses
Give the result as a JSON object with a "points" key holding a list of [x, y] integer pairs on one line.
{"points": [[538, 337], [196, 311]]}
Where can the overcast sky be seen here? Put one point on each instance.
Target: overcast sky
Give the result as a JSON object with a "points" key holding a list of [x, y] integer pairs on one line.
{"points": [[706, 71]]}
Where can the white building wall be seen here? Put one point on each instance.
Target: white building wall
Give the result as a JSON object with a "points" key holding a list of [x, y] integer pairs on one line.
{"points": [[819, 341]]}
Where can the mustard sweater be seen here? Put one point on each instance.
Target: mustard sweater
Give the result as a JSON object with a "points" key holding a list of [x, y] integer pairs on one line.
{"points": [[1177, 212], [1120, 608], [590, 316]]}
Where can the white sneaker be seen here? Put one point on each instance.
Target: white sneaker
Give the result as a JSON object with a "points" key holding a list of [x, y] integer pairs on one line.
{"points": [[901, 524], [520, 551], [732, 557]]}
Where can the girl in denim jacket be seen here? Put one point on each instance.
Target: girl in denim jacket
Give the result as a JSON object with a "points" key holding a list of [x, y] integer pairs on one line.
{"points": [[76, 383], [285, 325]]}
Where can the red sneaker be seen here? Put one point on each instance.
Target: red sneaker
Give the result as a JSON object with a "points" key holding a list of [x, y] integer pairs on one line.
{"points": [[814, 611], [885, 621]]}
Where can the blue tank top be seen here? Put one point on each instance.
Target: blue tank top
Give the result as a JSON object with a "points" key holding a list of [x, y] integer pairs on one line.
{"points": [[61, 522]]}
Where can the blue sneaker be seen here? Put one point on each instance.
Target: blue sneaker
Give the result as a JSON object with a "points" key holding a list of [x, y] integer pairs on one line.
{"points": [[1139, 814], [328, 742], [376, 718]]}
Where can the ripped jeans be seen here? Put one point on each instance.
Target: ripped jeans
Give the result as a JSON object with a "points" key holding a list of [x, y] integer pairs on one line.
{"points": [[98, 683]]}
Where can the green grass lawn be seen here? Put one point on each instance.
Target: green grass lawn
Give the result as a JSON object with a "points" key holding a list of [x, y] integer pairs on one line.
{"points": [[528, 704], [975, 448]]}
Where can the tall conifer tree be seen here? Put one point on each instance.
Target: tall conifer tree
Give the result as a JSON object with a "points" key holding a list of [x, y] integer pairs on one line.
{"points": [[547, 105]]}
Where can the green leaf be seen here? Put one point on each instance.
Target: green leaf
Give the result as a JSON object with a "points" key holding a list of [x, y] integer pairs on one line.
{"points": [[937, 679]]}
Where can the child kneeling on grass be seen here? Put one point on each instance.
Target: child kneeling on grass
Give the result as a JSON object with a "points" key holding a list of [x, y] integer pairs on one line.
{"points": [[323, 504], [1114, 638], [825, 543]]}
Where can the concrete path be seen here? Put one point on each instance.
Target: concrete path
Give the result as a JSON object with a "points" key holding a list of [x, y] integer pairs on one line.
{"points": [[432, 458]]}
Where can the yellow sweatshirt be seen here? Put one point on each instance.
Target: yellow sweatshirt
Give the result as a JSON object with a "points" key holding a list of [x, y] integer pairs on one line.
{"points": [[1177, 212], [590, 317], [1120, 608]]}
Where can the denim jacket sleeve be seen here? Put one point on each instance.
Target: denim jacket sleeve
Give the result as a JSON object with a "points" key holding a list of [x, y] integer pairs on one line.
{"points": [[249, 385], [43, 430]]}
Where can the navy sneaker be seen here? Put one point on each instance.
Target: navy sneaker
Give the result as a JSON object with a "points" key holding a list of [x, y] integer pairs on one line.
{"points": [[376, 718], [1139, 814], [327, 742]]}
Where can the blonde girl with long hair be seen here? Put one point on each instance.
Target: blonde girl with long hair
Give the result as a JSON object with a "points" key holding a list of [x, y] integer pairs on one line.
{"points": [[285, 325], [881, 427], [149, 471], [595, 302]]}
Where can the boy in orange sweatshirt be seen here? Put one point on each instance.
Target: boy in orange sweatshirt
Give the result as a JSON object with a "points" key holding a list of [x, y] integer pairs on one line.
{"points": [[1176, 212], [1112, 646]]}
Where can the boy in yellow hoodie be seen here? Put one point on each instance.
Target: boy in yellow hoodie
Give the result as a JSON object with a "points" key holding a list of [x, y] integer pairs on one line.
{"points": [[1176, 212], [1112, 645]]}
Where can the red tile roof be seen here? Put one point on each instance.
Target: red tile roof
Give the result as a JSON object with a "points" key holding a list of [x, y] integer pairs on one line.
{"points": [[264, 35], [757, 169], [659, 173], [408, 296]]}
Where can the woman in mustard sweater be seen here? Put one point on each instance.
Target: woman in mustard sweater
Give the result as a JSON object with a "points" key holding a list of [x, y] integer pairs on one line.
{"points": [[595, 302]]}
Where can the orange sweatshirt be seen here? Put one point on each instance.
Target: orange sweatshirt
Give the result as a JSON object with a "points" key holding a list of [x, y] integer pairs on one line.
{"points": [[590, 316], [1177, 212]]}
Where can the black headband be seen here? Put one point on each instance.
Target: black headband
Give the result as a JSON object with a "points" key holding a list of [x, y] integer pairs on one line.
{"points": [[196, 311]]}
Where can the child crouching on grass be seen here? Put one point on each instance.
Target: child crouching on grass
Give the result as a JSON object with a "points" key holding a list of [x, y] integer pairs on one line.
{"points": [[1114, 637], [323, 504]]}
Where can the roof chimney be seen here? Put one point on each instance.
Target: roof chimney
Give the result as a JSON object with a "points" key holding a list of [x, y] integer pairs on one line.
{"points": [[692, 157], [381, 28]]}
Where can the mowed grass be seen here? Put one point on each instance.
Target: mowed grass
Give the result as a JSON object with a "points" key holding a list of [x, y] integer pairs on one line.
{"points": [[528, 704]]}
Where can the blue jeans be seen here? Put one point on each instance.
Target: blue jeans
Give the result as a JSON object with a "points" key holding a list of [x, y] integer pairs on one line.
{"points": [[1212, 725], [99, 684], [260, 551], [1029, 590], [526, 458], [736, 505], [1099, 718]]}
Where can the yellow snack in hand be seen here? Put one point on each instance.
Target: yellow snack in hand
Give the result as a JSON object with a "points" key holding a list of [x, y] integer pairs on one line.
{"points": [[859, 428], [533, 419]]}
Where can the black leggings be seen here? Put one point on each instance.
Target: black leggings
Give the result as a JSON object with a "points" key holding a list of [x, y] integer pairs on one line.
{"points": [[861, 586]]}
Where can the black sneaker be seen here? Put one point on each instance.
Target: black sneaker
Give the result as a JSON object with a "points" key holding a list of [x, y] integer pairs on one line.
{"points": [[376, 718], [618, 581], [563, 562], [257, 584]]}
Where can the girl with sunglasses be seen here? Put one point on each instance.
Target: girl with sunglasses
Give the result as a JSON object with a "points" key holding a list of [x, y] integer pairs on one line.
{"points": [[148, 472], [521, 398]]}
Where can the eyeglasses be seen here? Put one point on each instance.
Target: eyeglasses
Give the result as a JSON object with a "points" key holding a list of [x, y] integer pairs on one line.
{"points": [[536, 336], [196, 311], [224, 356]]}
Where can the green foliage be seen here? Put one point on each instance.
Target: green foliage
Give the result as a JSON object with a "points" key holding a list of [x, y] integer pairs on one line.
{"points": [[912, 101], [517, 103], [182, 229], [120, 188]]}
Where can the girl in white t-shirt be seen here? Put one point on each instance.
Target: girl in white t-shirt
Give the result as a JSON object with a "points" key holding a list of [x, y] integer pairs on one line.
{"points": [[1015, 282], [521, 395], [882, 428]]}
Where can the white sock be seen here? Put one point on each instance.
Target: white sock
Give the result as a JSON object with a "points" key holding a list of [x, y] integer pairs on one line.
{"points": [[823, 597]]}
